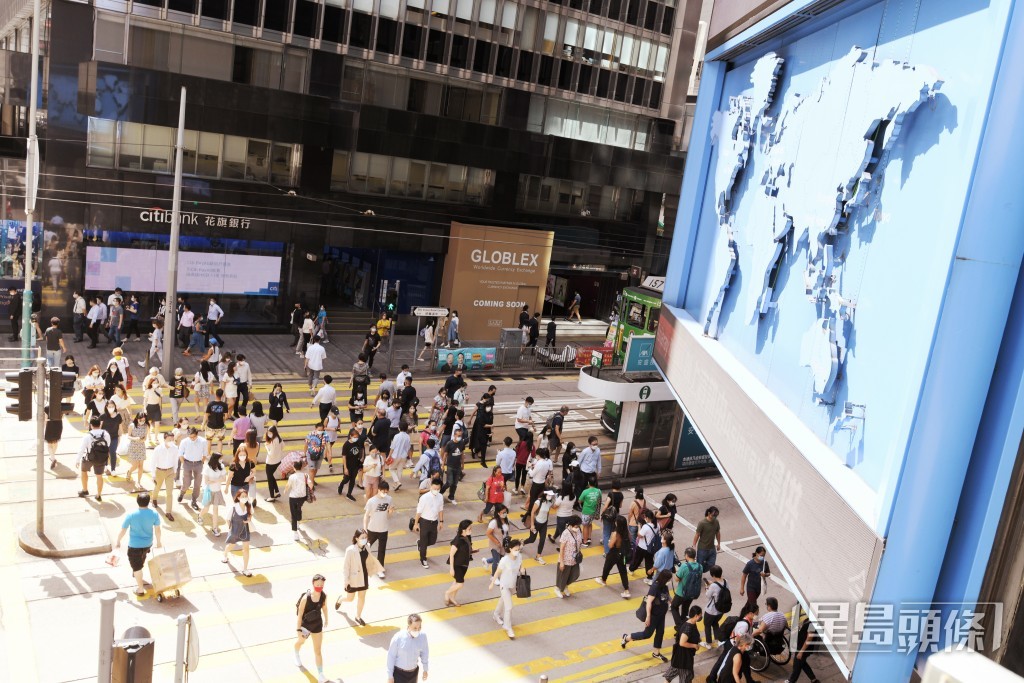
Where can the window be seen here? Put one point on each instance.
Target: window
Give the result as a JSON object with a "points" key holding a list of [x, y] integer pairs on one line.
{"points": [[386, 89], [357, 172], [152, 49], [246, 12], [387, 35], [257, 160], [334, 23], [412, 41], [389, 9], [339, 170], [281, 165], [109, 41], [352, 83], [456, 185], [206, 58], [186, 6], [275, 15], [437, 182], [399, 178], [157, 149], [503, 66], [435, 46], [361, 33], [488, 9], [377, 174], [305, 18], [208, 158], [424, 97], [417, 178], [101, 142], [478, 182], [524, 72], [464, 11], [460, 52], [234, 157], [215, 9], [482, 56]]}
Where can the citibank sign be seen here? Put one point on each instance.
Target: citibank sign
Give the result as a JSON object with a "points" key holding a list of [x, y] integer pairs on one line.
{"points": [[504, 258], [188, 218]]}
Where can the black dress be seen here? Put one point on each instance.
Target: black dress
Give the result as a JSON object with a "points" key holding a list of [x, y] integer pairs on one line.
{"points": [[277, 405]]}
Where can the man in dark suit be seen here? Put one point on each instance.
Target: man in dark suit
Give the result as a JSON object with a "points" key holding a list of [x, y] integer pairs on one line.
{"points": [[14, 313]]}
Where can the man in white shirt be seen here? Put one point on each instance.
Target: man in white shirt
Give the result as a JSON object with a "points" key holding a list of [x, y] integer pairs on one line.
{"points": [[185, 324], [376, 516], [325, 398], [95, 433], [192, 452], [524, 419], [243, 373], [95, 323], [401, 446], [541, 467], [506, 460], [429, 513], [400, 379], [214, 316], [78, 316], [116, 294], [165, 463], [314, 363]]}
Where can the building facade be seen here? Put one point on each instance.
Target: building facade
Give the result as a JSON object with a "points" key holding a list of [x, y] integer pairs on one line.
{"points": [[841, 318], [339, 139]]}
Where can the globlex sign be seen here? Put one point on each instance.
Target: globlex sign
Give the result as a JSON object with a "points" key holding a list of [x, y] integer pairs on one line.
{"points": [[490, 273]]}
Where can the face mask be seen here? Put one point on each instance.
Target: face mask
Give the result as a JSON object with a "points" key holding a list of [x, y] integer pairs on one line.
{"points": [[318, 589], [362, 542], [414, 633], [241, 501], [515, 553]]}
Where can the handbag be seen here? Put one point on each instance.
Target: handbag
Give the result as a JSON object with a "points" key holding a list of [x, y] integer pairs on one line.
{"points": [[122, 446], [523, 586], [641, 611], [481, 492]]}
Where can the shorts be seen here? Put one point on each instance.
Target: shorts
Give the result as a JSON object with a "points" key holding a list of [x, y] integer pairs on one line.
{"points": [[97, 468], [137, 558], [460, 574], [427, 344], [588, 519], [153, 412], [217, 434], [314, 463]]}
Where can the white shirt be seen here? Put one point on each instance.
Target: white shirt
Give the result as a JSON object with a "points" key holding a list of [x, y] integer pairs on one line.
{"points": [[243, 373], [522, 417], [188, 319], [400, 446], [541, 469], [86, 443], [94, 314], [165, 457], [79, 308], [373, 465], [212, 478], [509, 568], [307, 326], [430, 506], [297, 484], [315, 357], [193, 451], [214, 313], [327, 394], [395, 415], [506, 460], [400, 380], [275, 451]]}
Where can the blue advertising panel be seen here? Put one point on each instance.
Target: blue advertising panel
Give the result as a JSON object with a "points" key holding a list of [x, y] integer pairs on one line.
{"points": [[467, 358], [640, 354]]}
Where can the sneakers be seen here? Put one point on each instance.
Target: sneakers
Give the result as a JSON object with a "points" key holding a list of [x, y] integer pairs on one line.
{"points": [[380, 575], [586, 544], [541, 560], [298, 660], [625, 595], [296, 535], [486, 561], [648, 582], [83, 494], [600, 581], [704, 645], [424, 563], [511, 634], [559, 593], [498, 620], [625, 639]]}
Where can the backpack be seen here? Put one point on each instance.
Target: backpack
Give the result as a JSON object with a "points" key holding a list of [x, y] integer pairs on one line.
{"points": [[610, 513], [434, 462], [99, 450], [691, 588], [723, 603], [314, 446], [726, 628]]}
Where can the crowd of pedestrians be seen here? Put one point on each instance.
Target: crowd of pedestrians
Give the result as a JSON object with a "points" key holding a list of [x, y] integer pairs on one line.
{"points": [[211, 450]]}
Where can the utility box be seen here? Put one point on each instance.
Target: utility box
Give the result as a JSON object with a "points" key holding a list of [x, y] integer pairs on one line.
{"points": [[133, 657]]}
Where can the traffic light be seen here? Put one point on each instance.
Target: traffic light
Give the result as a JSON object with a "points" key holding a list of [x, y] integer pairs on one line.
{"points": [[61, 386], [391, 303], [20, 393]]}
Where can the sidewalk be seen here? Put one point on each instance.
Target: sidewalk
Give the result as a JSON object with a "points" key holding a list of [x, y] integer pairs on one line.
{"points": [[273, 355]]}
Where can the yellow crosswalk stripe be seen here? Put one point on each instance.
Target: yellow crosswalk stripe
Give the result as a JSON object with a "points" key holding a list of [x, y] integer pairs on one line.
{"points": [[612, 671], [531, 669]]}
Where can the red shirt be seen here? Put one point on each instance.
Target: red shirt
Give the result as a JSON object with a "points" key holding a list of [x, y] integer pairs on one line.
{"points": [[523, 453], [496, 490]]}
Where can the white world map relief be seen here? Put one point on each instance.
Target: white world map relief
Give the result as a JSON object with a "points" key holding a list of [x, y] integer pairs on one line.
{"points": [[799, 183]]}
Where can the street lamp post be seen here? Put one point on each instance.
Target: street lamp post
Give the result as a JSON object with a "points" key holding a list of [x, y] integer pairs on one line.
{"points": [[170, 306], [31, 189]]}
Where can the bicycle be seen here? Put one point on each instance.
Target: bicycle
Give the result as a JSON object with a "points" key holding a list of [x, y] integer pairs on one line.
{"points": [[761, 654]]}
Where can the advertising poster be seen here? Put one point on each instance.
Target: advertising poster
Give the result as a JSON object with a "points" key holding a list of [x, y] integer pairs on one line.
{"points": [[491, 273], [144, 270], [556, 289], [465, 358]]}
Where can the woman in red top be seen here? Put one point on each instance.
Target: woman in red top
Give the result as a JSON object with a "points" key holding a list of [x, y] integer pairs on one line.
{"points": [[494, 493], [524, 451]]}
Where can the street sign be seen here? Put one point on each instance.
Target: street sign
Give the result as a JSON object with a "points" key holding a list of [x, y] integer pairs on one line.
{"points": [[639, 354], [425, 312], [645, 392], [596, 359]]}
